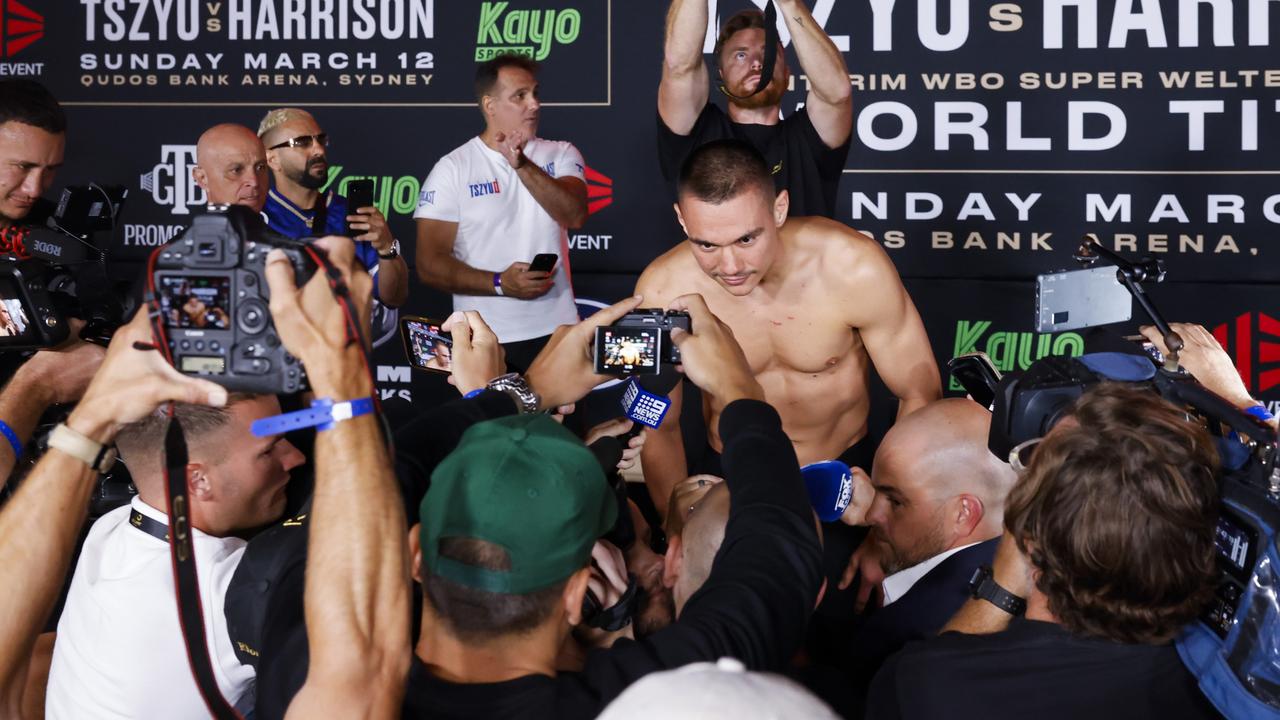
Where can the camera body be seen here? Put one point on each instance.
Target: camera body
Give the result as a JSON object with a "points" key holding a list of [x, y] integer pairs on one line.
{"points": [[639, 343], [209, 286], [55, 272]]}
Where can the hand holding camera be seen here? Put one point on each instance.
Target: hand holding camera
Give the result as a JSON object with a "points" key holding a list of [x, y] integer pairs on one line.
{"points": [[639, 343], [563, 372]]}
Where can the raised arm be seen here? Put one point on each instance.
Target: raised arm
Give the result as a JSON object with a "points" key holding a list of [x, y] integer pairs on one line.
{"points": [[39, 526], [682, 93], [830, 97], [890, 327], [357, 577]]}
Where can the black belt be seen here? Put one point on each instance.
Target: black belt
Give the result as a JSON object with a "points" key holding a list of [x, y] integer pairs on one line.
{"points": [[154, 528]]}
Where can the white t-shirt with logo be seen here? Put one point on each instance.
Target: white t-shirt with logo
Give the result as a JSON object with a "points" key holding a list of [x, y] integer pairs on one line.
{"points": [[500, 222], [119, 651]]}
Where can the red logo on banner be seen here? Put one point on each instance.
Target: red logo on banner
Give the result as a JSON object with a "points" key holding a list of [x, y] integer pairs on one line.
{"points": [[21, 25], [1253, 341], [599, 191]]}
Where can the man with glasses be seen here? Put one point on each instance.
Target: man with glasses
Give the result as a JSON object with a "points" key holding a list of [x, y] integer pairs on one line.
{"points": [[806, 150], [297, 155]]}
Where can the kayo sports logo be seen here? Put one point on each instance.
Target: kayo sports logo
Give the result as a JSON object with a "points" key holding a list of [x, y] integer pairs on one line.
{"points": [[524, 32], [1011, 351]]}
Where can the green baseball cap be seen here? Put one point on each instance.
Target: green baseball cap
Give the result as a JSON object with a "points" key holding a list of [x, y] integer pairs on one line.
{"points": [[523, 483]]}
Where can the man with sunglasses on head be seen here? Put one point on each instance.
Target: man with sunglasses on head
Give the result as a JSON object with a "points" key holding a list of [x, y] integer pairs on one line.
{"points": [[297, 156]]}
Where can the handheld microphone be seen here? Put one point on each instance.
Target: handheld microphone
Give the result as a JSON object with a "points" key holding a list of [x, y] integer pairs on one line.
{"points": [[645, 400], [830, 486]]}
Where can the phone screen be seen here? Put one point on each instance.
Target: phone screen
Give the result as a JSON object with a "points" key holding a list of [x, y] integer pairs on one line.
{"points": [[427, 346], [15, 319]]}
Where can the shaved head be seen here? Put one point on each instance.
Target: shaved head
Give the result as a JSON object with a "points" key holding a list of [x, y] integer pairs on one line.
{"points": [[698, 542], [231, 166], [937, 485]]}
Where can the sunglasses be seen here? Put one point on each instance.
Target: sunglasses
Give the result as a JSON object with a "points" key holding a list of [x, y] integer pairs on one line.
{"points": [[1021, 455], [303, 141]]}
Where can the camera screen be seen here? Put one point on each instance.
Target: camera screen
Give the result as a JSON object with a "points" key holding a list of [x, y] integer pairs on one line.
{"points": [[429, 346], [15, 319], [196, 301], [627, 349], [202, 365]]}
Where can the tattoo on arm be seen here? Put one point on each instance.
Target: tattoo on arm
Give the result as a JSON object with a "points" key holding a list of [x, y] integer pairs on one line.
{"points": [[798, 20]]}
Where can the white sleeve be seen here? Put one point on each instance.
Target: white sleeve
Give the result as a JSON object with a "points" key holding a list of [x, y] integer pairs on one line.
{"points": [[439, 197], [569, 162]]}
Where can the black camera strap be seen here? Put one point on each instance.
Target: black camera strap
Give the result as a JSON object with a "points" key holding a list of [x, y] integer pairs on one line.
{"points": [[321, 217], [183, 558], [770, 53]]}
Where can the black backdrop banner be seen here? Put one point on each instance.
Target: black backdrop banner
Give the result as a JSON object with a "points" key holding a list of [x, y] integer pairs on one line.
{"points": [[988, 137]]}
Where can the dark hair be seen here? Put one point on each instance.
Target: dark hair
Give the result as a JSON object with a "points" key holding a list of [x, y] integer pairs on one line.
{"points": [[30, 103], [487, 71], [478, 615], [744, 20], [1117, 514], [722, 170]]}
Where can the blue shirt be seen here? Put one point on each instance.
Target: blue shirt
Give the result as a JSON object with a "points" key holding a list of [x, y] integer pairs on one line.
{"points": [[292, 221]]}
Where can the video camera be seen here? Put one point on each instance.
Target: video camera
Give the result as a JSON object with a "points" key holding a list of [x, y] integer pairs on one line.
{"points": [[209, 287], [1232, 649], [639, 343], [56, 272]]}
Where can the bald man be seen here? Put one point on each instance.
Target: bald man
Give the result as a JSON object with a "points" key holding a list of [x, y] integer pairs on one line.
{"points": [[937, 516], [231, 166]]}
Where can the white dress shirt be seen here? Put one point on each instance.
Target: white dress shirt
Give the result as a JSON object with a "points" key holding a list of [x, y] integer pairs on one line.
{"points": [[897, 584], [119, 651]]}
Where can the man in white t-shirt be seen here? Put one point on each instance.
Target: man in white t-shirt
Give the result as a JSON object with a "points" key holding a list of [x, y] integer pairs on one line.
{"points": [[119, 651], [493, 204]]}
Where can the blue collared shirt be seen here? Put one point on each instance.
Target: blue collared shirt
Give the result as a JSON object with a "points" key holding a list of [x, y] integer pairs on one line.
{"points": [[292, 221]]}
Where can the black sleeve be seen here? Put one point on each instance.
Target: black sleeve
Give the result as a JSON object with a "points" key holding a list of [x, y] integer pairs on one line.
{"points": [[673, 148], [422, 443], [831, 160], [882, 698], [765, 579]]}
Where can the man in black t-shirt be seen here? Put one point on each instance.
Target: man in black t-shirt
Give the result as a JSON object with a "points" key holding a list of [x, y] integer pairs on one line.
{"points": [[505, 552], [806, 151], [1110, 540]]}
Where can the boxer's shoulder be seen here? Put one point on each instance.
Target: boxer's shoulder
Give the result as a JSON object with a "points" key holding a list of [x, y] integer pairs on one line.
{"points": [[670, 275], [834, 246]]}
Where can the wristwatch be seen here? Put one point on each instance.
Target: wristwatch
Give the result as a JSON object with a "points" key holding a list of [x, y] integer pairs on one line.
{"points": [[97, 456], [518, 388], [983, 586], [393, 253]]}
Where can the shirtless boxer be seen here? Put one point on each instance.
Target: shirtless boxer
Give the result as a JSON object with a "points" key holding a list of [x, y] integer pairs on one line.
{"points": [[812, 302]]}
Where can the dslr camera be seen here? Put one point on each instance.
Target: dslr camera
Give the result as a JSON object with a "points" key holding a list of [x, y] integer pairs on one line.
{"points": [[639, 343], [55, 272], [209, 287]]}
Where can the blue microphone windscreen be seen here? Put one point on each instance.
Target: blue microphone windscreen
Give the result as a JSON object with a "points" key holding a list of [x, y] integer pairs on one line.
{"points": [[830, 486]]}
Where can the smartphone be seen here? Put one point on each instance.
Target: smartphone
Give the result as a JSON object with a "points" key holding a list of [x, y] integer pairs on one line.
{"points": [[359, 194], [543, 262], [977, 375], [1077, 299], [426, 345]]}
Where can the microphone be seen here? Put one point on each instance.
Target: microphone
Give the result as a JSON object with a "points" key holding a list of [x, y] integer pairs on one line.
{"points": [[645, 400], [830, 486]]}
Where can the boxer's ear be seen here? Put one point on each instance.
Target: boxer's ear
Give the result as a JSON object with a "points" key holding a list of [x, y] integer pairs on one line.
{"points": [[781, 204], [680, 218]]}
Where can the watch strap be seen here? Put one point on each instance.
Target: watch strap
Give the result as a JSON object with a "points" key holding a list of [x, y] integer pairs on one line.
{"points": [[983, 586], [97, 456], [393, 253], [526, 400]]}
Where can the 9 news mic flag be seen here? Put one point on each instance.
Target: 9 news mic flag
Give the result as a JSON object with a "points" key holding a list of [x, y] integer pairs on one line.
{"points": [[645, 400]]}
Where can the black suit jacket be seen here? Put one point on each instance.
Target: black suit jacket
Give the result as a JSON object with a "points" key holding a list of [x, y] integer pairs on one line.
{"points": [[918, 614]]}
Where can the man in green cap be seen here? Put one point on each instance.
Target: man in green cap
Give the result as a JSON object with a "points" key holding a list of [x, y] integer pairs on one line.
{"points": [[504, 551]]}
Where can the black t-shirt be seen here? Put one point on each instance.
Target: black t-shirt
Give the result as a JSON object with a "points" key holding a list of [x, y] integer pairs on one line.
{"points": [[801, 162], [753, 606], [1035, 670]]}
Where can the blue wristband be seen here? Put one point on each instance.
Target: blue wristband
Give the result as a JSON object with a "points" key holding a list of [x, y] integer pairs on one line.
{"points": [[1261, 412], [473, 393], [322, 415], [12, 437]]}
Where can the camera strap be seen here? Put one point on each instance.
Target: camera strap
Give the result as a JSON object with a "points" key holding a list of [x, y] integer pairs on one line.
{"points": [[770, 53], [183, 559], [321, 217]]}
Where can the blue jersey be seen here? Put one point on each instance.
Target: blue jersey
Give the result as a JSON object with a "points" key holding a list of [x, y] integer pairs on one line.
{"points": [[291, 221]]}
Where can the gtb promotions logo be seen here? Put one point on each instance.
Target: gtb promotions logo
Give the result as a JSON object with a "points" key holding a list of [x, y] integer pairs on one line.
{"points": [[19, 27], [170, 182], [526, 32], [1253, 341]]}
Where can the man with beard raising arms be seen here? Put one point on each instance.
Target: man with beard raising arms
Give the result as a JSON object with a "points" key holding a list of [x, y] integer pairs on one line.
{"points": [[805, 151], [297, 154]]}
